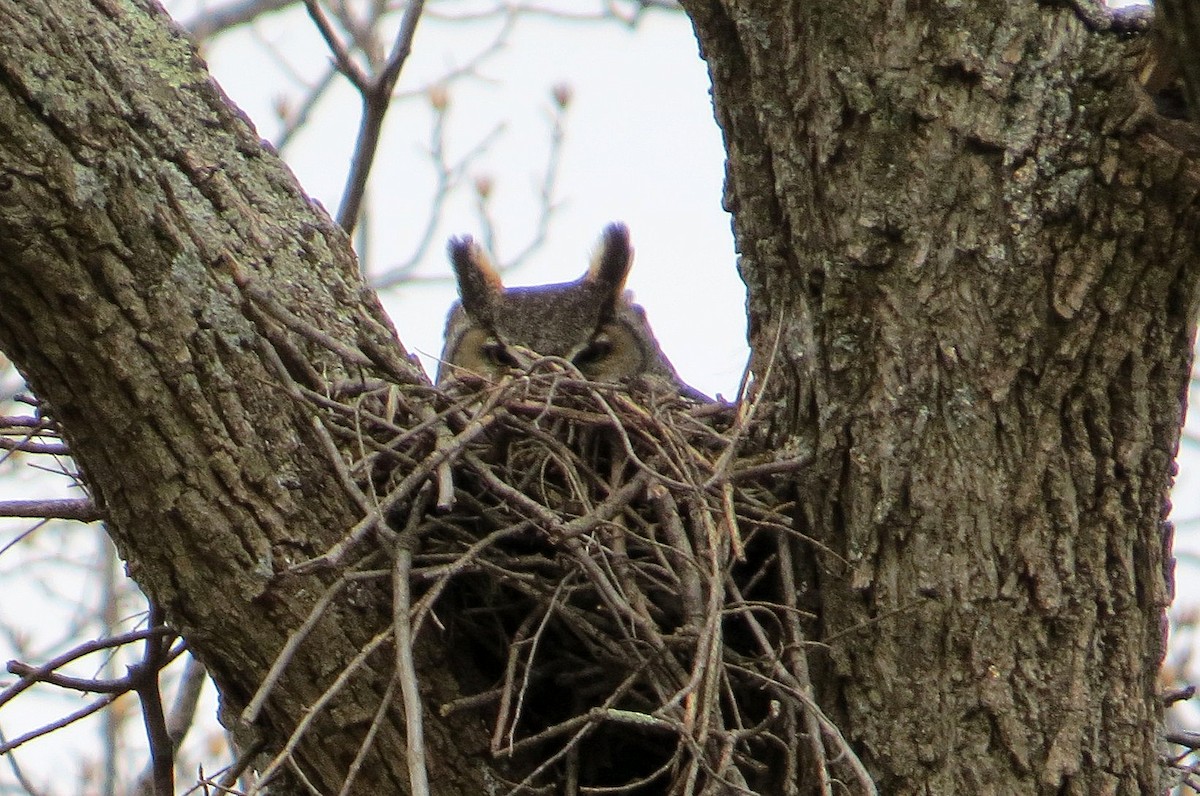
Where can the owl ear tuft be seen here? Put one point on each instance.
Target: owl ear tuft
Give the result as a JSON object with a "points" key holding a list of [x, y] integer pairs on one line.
{"points": [[478, 282], [611, 262]]}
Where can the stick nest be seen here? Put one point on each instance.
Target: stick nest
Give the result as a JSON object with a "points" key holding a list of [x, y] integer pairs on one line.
{"points": [[617, 587]]}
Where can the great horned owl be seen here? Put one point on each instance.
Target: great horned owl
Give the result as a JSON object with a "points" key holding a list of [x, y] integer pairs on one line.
{"points": [[590, 322]]}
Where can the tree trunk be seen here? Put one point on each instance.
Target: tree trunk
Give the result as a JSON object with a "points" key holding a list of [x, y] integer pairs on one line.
{"points": [[132, 194], [971, 252], [970, 248]]}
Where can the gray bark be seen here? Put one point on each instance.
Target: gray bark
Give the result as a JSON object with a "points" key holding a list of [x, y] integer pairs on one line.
{"points": [[971, 252], [131, 193]]}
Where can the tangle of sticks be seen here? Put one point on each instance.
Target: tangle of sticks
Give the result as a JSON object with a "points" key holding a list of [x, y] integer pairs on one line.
{"points": [[617, 586]]}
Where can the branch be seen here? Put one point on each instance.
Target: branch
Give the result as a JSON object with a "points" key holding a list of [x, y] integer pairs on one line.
{"points": [[341, 54], [81, 509], [144, 677], [376, 95], [136, 680], [18, 773], [183, 712], [208, 24], [8, 746], [25, 446], [34, 674], [406, 670]]}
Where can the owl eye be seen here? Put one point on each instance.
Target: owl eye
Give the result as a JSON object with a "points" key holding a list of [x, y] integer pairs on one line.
{"points": [[599, 348], [498, 354]]}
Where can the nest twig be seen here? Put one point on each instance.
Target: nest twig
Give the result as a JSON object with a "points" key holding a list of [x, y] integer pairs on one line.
{"points": [[616, 581]]}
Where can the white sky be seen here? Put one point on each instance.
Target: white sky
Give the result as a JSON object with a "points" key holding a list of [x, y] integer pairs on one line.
{"points": [[641, 147]]}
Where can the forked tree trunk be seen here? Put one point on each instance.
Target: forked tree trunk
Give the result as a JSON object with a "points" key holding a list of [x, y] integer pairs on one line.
{"points": [[970, 251]]}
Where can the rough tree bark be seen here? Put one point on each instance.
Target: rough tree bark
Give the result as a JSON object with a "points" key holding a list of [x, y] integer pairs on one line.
{"points": [[975, 243], [970, 248], [131, 192]]}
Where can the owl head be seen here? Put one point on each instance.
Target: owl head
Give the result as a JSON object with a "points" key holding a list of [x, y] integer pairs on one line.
{"points": [[590, 322]]}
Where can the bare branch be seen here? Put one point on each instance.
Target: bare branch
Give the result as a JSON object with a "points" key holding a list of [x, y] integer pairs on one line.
{"points": [[94, 707], [26, 446], [212, 22], [182, 715], [35, 674], [406, 671], [341, 54], [377, 97], [144, 675], [18, 772], [81, 509]]}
